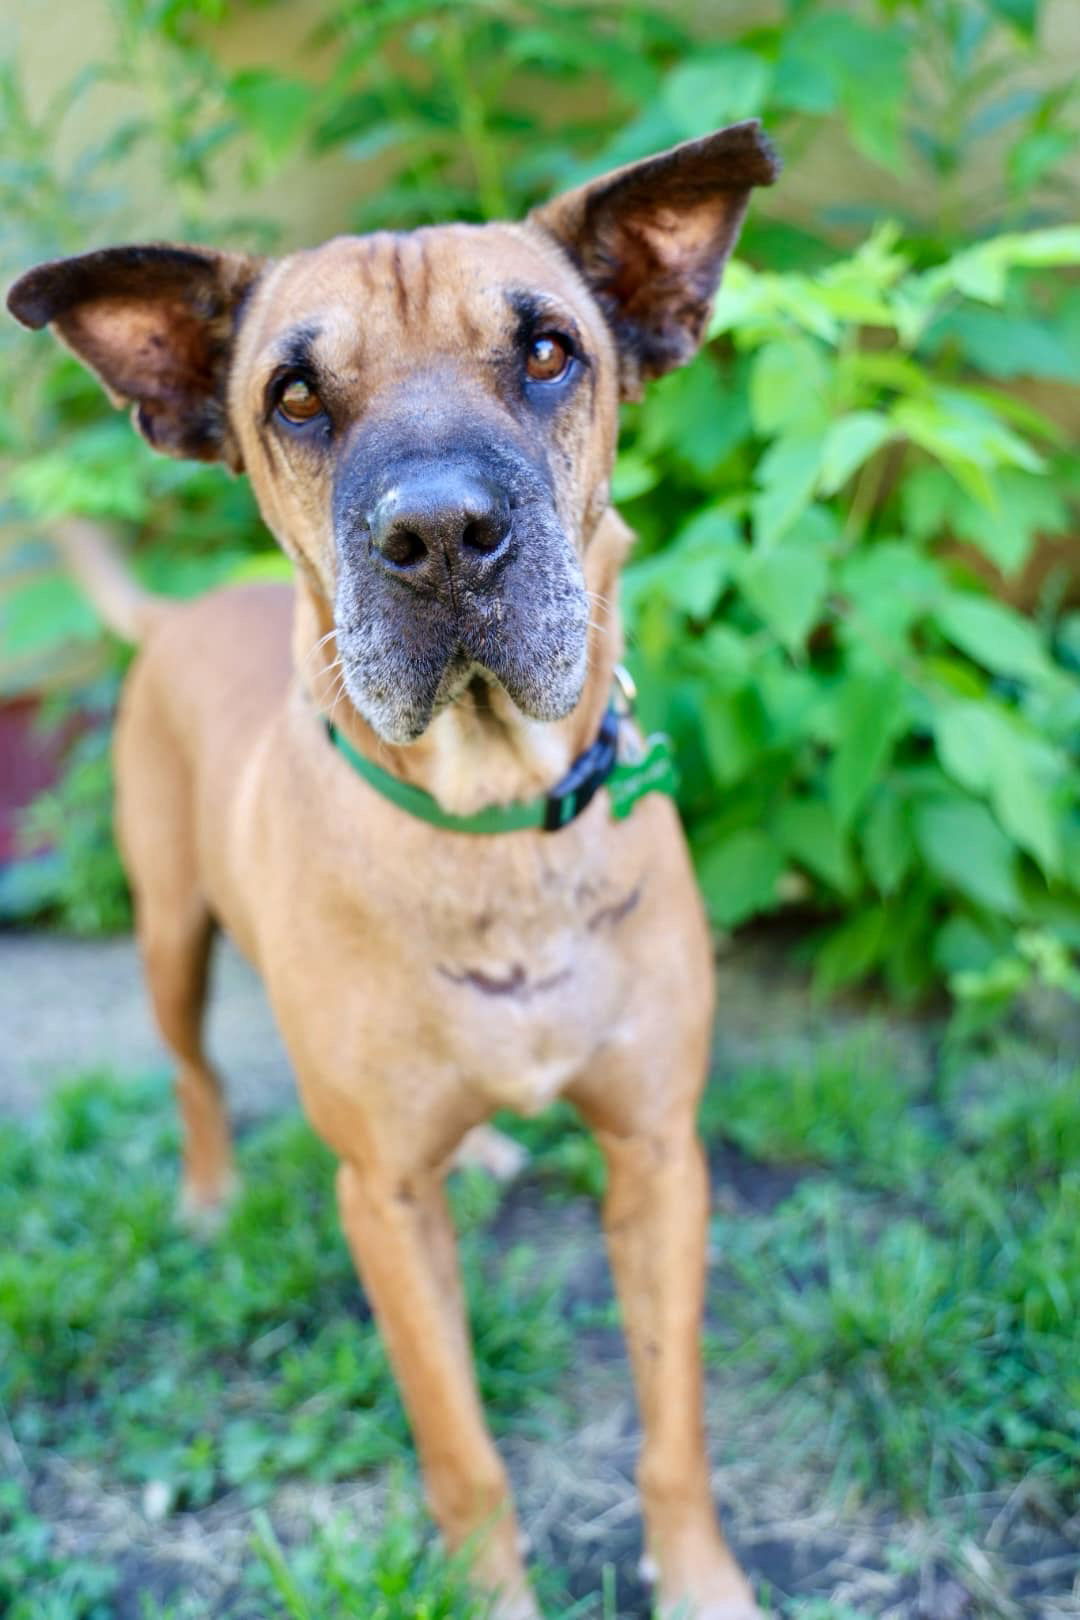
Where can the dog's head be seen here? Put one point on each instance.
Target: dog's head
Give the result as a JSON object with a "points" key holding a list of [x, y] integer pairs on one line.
{"points": [[428, 419]]}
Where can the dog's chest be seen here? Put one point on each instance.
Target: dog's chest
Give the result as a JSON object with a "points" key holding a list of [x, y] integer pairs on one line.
{"points": [[531, 976]]}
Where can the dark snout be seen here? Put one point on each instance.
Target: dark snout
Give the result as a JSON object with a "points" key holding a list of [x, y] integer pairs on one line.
{"points": [[452, 560], [438, 524]]}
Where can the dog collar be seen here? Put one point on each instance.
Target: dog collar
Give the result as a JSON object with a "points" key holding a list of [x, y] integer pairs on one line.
{"points": [[627, 781]]}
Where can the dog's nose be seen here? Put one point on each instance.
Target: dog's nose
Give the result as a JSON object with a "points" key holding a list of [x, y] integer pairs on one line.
{"points": [[440, 520]]}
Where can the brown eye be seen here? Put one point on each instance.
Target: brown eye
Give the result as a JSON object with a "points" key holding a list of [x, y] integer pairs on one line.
{"points": [[548, 358], [298, 401]]}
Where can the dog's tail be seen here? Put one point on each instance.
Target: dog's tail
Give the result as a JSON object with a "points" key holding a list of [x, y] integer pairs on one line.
{"points": [[95, 560]]}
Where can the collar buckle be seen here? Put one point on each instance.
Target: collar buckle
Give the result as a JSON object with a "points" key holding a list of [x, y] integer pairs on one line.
{"points": [[586, 776]]}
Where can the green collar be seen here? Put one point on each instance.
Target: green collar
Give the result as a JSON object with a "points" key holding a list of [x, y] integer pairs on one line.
{"points": [[627, 781]]}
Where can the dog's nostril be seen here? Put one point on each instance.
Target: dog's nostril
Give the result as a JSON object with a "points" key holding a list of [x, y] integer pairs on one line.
{"points": [[485, 533], [478, 537], [403, 547]]}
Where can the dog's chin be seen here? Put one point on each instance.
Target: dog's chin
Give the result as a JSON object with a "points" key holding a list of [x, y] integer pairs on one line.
{"points": [[401, 714]]}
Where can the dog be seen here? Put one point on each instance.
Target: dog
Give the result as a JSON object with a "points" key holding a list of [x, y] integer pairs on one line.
{"points": [[331, 772]]}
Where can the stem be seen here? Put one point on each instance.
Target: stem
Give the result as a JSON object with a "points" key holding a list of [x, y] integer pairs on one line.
{"points": [[472, 118]]}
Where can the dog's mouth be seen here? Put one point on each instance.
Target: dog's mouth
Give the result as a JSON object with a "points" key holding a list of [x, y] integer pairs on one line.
{"points": [[400, 681]]}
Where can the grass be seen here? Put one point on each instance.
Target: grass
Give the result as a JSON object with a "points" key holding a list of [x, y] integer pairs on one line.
{"points": [[231, 1366], [925, 1332], [842, 1107], [898, 1325], [36, 1583]]}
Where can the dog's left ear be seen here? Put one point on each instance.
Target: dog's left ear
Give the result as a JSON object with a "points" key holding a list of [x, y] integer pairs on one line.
{"points": [[652, 239]]}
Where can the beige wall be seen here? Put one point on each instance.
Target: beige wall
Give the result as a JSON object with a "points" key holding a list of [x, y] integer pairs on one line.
{"points": [[313, 198]]}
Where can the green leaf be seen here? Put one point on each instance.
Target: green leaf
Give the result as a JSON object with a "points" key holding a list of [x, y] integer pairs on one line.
{"points": [[1023, 14], [962, 945], [692, 572], [274, 108], [634, 475], [1024, 506], [733, 732], [848, 443], [984, 749], [1038, 152], [739, 876], [786, 587], [870, 713], [1006, 345], [827, 55], [788, 386], [994, 635], [715, 88], [963, 434], [890, 586], [809, 833], [967, 849], [851, 950], [787, 474], [45, 613], [696, 413], [886, 840], [1026, 809]]}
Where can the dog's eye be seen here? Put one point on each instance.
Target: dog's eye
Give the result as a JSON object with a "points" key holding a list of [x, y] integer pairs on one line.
{"points": [[548, 358], [298, 401]]}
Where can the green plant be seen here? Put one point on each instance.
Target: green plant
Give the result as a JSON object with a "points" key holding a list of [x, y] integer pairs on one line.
{"points": [[864, 729], [853, 707]]}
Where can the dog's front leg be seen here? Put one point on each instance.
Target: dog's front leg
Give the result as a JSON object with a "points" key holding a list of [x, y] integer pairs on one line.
{"points": [[403, 1244], [655, 1217]]}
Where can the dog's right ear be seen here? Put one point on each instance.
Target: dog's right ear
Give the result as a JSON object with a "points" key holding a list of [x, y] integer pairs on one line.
{"points": [[156, 324]]}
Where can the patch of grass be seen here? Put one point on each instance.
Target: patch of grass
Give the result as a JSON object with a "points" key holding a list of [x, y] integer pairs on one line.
{"points": [[398, 1575], [919, 1360], [36, 1581], [563, 1155], [1024, 1128], [841, 1106], [228, 1365]]}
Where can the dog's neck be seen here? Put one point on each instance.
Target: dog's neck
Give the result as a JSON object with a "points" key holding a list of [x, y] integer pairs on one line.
{"points": [[480, 750]]}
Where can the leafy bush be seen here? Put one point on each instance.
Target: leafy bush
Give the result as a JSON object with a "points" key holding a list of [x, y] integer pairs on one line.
{"points": [[851, 703], [867, 728]]}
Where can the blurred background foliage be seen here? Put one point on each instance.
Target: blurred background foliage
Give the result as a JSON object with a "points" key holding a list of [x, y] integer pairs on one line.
{"points": [[855, 596]]}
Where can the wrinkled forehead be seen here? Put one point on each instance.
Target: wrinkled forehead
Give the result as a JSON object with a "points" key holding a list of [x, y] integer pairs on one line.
{"points": [[392, 299]]}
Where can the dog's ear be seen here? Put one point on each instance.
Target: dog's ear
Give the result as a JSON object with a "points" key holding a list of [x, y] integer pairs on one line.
{"points": [[156, 324], [651, 240]]}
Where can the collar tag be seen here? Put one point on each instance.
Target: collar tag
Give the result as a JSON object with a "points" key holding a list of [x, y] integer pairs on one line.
{"points": [[654, 772]]}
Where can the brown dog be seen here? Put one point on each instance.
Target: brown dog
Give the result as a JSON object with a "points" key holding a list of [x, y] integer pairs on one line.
{"points": [[429, 422]]}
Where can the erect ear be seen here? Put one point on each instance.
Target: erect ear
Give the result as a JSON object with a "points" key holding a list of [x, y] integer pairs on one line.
{"points": [[651, 240], [156, 324]]}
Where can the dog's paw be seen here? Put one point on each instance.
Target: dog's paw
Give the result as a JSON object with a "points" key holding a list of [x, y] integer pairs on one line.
{"points": [[736, 1608], [733, 1602], [202, 1213], [520, 1605], [485, 1148]]}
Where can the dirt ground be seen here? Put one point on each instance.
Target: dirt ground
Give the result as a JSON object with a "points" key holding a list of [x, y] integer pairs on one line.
{"points": [[68, 1006]]}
